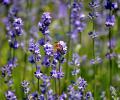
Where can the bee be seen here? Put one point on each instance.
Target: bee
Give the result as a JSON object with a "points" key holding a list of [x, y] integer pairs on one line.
{"points": [[58, 47]]}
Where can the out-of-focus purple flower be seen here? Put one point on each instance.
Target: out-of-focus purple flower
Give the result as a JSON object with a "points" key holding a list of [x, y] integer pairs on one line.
{"points": [[62, 10], [34, 58], [41, 97], [110, 55], [46, 18], [14, 44], [81, 83], [7, 69], [89, 96], [41, 42], [112, 43], [33, 96], [110, 5], [75, 60], [25, 84], [63, 96], [93, 35], [103, 95], [75, 72], [110, 20], [6, 2], [97, 60], [18, 22], [77, 18], [31, 59], [10, 95], [94, 3], [92, 61]]}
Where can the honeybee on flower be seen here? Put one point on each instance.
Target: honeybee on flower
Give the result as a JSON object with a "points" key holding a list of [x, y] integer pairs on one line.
{"points": [[60, 47]]}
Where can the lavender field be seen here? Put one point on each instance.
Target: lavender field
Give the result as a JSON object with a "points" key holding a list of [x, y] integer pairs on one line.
{"points": [[59, 49]]}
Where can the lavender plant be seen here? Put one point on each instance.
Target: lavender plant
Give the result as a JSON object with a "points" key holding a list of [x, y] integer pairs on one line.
{"points": [[58, 50]]}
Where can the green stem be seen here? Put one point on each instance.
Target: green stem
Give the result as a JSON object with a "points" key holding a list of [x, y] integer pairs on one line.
{"points": [[94, 66], [38, 86], [68, 46], [55, 86], [59, 80], [25, 61]]}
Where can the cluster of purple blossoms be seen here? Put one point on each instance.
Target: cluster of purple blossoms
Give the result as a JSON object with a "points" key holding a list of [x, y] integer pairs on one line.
{"points": [[76, 63], [110, 19], [76, 91], [14, 27], [110, 22], [97, 60], [94, 5], [44, 23], [38, 74], [48, 48], [35, 50], [60, 51], [77, 18], [25, 85], [7, 69], [57, 74]]}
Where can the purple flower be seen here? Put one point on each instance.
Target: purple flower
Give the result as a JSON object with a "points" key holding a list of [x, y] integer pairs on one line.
{"points": [[33, 96], [6, 2], [41, 97], [109, 5], [46, 61], [25, 85], [60, 74], [44, 23], [110, 55], [75, 72], [7, 69], [63, 96], [75, 60], [81, 83], [34, 48], [110, 20], [14, 44], [93, 35], [53, 74], [48, 49], [38, 74], [10, 95], [46, 18], [41, 42], [18, 22], [31, 59], [94, 4], [89, 96], [31, 45], [112, 43]]}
